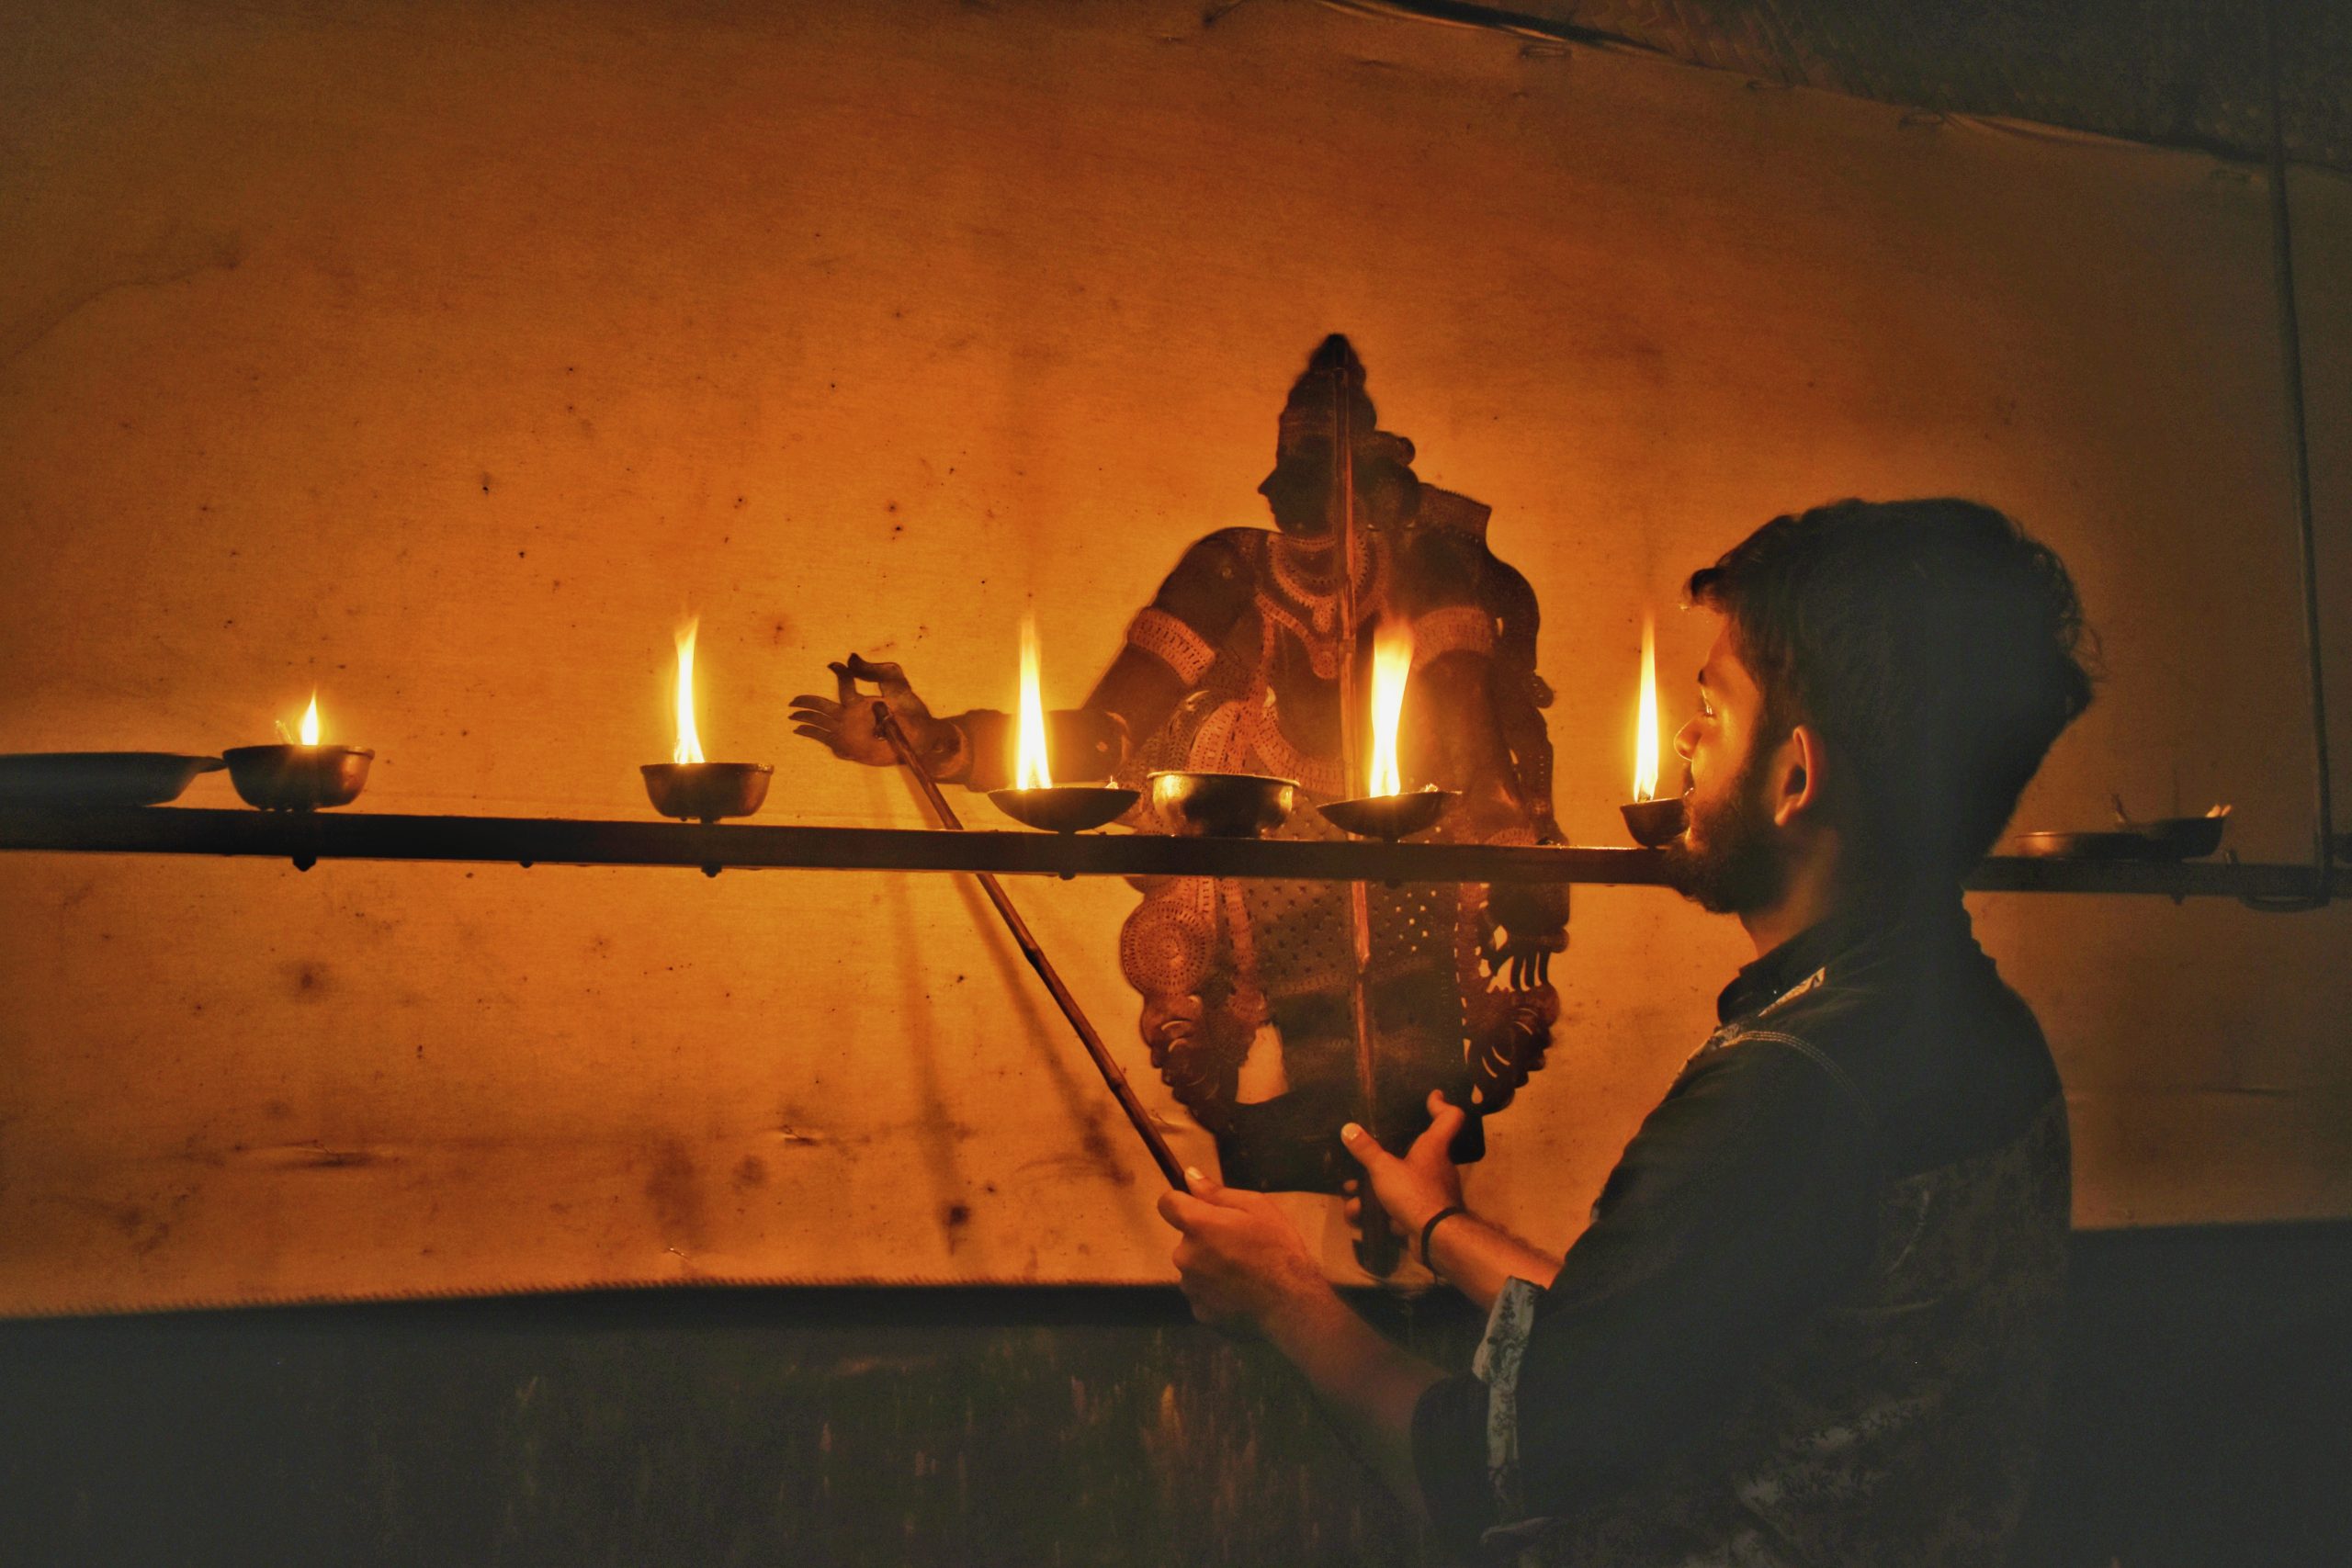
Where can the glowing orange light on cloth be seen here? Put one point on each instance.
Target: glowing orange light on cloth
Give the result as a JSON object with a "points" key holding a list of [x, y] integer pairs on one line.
{"points": [[1030, 770], [1645, 725], [307, 734], [1391, 666], [689, 746]]}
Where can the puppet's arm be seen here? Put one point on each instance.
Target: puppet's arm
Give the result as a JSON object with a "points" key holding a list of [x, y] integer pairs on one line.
{"points": [[1170, 645]]}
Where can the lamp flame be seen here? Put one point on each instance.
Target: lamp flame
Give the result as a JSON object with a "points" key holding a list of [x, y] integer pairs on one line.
{"points": [[1391, 666], [307, 732], [1030, 770], [1645, 725], [689, 747]]}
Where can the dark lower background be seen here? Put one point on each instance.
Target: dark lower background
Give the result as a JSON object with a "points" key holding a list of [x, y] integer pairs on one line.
{"points": [[2204, 1417]]}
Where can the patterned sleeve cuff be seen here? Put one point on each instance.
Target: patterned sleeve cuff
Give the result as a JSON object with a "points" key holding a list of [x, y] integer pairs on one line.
{"points": [[1497, 1365], [1169, 639], [1465, 1430]]}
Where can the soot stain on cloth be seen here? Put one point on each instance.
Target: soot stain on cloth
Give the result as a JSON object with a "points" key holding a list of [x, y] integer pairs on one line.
{"points": [[146, 1226], [176, 253], [309, 978], [676, 1200]]}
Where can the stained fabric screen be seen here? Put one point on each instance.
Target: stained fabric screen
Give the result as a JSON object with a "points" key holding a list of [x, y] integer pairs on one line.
{"points": [[439, 359]]}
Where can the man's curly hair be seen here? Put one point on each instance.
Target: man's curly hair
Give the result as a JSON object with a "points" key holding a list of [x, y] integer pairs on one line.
{"points": [[1936, 647]]}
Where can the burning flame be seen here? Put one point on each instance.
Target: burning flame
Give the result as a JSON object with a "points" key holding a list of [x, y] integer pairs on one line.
{"points": [[309, 730], [689, 747], [1645, 725], [1391, 664], [1030, 770]]}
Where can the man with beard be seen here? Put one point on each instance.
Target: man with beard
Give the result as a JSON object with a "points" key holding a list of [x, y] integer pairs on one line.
{"points": [[1810, 1319]]}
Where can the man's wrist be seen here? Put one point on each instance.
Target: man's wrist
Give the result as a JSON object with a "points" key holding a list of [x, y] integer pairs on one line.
{"points": [[1304, 1318], [1452, 1210], [1414, 1222]]}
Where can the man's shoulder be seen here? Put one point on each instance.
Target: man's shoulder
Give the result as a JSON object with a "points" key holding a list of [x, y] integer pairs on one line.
{"points": [[1949, 1059], [1931, 993], [1755, 1072]]}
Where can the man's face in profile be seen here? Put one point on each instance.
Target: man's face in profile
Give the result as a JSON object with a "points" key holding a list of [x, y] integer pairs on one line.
{"points": [[1729, 859]]}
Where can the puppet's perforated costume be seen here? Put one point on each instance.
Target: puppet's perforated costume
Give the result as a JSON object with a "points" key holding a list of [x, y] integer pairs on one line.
{"points": [[1254, 634], [1234, 667]]}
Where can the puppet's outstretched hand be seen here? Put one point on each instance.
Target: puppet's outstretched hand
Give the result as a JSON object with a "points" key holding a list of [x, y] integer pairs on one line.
{"points": [[844, 723]]}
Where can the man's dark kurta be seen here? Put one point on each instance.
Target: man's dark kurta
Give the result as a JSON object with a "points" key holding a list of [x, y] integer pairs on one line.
{"points": [[1811, 1322]]}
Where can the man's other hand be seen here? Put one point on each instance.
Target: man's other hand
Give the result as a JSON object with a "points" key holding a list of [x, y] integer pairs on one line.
{"points": [[1242, 1263], [1412, 1186]]}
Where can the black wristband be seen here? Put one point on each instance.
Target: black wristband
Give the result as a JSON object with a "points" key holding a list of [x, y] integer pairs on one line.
{"points": [[1436, 1220]]}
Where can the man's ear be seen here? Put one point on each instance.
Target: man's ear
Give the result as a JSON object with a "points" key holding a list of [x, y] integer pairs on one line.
{"points": [[1799, 776]]}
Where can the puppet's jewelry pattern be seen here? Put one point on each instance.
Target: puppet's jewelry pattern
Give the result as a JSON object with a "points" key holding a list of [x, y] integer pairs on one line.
{"points": [[1317, 592], [1322, 651], [1168, 943], [1174, 644], [1277, 756], [1459, 629]]}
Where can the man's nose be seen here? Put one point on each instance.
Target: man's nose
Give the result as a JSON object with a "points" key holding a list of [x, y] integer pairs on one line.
{"points": [[1685, 739]]}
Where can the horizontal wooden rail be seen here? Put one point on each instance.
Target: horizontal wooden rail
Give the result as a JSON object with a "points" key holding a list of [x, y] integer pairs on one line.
{"points": [[530, 840]]}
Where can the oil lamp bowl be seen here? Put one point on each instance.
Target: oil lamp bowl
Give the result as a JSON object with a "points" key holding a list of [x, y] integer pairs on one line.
{"points": [[1389, 817], [2166, 839], [705, 791], [2093, 845], [1064, 808], [1656, 823], [298, 778], [1222, 805], [2184, 838], [74, 779]]}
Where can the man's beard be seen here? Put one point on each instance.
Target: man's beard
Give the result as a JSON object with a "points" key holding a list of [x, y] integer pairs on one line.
{"points": [[1737, 867]]}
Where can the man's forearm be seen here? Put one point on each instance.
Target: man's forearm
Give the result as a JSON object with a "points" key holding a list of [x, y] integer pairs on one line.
{"points": [[1368, 1383], [1477, 1257]]}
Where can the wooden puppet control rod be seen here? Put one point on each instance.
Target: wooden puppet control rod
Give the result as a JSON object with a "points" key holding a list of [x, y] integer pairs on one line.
{"points": [[1376, 1248], [1140, 1119], [307, 838]]}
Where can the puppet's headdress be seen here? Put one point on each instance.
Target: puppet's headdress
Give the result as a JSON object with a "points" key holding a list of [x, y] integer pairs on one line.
{"points": [[1309, 415]]}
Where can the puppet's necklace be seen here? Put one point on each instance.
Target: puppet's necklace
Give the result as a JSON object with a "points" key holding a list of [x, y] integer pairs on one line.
{"points": [[1317, 592]]}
